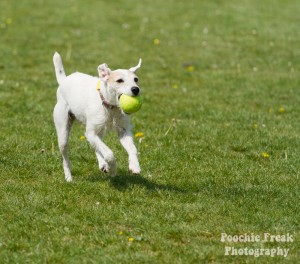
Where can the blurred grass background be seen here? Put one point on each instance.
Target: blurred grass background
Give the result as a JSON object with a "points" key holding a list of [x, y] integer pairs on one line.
{"points": [[220, 118]]}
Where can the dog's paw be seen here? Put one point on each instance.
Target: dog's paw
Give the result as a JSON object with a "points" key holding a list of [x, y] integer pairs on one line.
{"points": [[68, 179], [68, 176], [134, 167], [111, 172], [135, 170], [104, 168]]}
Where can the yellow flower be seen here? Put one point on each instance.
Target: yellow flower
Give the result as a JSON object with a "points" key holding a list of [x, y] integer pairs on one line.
{"points": [[254, 125], [130, 239], [281, 110], [139, 134], [190, 68], [82, 138], [156, 41], [120, 233], [8, 21], [265, 155]]}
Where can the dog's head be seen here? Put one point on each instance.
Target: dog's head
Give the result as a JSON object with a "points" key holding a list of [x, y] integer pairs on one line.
{"points": [[120, 81]]}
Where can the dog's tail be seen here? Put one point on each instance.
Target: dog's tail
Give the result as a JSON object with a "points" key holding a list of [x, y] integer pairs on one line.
{"points": [[59, 68]]}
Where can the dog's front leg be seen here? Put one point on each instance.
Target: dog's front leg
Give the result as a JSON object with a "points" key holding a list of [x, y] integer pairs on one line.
{"points": [[103, 166], [126, 140], [103, 152]]}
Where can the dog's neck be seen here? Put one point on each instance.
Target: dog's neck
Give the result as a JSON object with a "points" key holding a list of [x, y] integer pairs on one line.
{"points": [[108, 97]]}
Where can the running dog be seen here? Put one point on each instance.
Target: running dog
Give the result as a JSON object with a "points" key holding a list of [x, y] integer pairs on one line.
{"points": [[94, 101]]}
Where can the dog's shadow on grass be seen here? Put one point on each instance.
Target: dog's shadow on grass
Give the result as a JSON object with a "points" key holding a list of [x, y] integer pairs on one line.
{"points": [[124, 181]]}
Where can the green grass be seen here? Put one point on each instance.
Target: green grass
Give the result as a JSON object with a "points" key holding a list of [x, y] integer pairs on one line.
{"points": [[205, 131]]}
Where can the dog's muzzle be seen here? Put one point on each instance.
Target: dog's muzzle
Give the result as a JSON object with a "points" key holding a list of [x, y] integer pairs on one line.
{"points": [[135, 90]]}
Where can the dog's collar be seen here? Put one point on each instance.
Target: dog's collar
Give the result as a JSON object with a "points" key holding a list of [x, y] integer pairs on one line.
{"points": [[104, 102]]}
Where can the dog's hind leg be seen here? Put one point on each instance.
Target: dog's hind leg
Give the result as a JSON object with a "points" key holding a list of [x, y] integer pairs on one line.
{"points": [[63, 121]]}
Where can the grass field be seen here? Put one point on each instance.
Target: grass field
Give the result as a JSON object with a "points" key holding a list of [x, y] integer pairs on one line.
{"points": [[221, 144]]}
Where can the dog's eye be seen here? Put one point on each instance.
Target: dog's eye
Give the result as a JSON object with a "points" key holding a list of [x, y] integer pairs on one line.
{"points": [[120, 81], [136, 79]]}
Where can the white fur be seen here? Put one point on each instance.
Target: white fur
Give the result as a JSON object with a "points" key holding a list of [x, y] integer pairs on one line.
{"points": [[77, 97]]}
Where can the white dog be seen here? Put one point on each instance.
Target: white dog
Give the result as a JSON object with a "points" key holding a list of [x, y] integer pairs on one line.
{"points": [[95, 102]]}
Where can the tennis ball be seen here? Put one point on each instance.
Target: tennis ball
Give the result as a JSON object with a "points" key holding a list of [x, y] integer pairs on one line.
{"points": [[130, 104]]}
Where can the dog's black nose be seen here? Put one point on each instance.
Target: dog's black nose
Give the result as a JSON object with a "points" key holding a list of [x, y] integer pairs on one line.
{"points": [[135, 90]]}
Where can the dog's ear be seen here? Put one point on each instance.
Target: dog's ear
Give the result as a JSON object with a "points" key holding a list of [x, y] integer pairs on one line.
{"points": [[134, 69], [103, 72]]}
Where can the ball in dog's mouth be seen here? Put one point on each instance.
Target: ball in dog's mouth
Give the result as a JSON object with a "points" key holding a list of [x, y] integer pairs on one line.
{"points": [[130, 104]]}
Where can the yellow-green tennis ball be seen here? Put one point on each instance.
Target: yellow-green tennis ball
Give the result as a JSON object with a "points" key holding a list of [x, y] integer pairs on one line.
{"points": [[130, 104]]}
